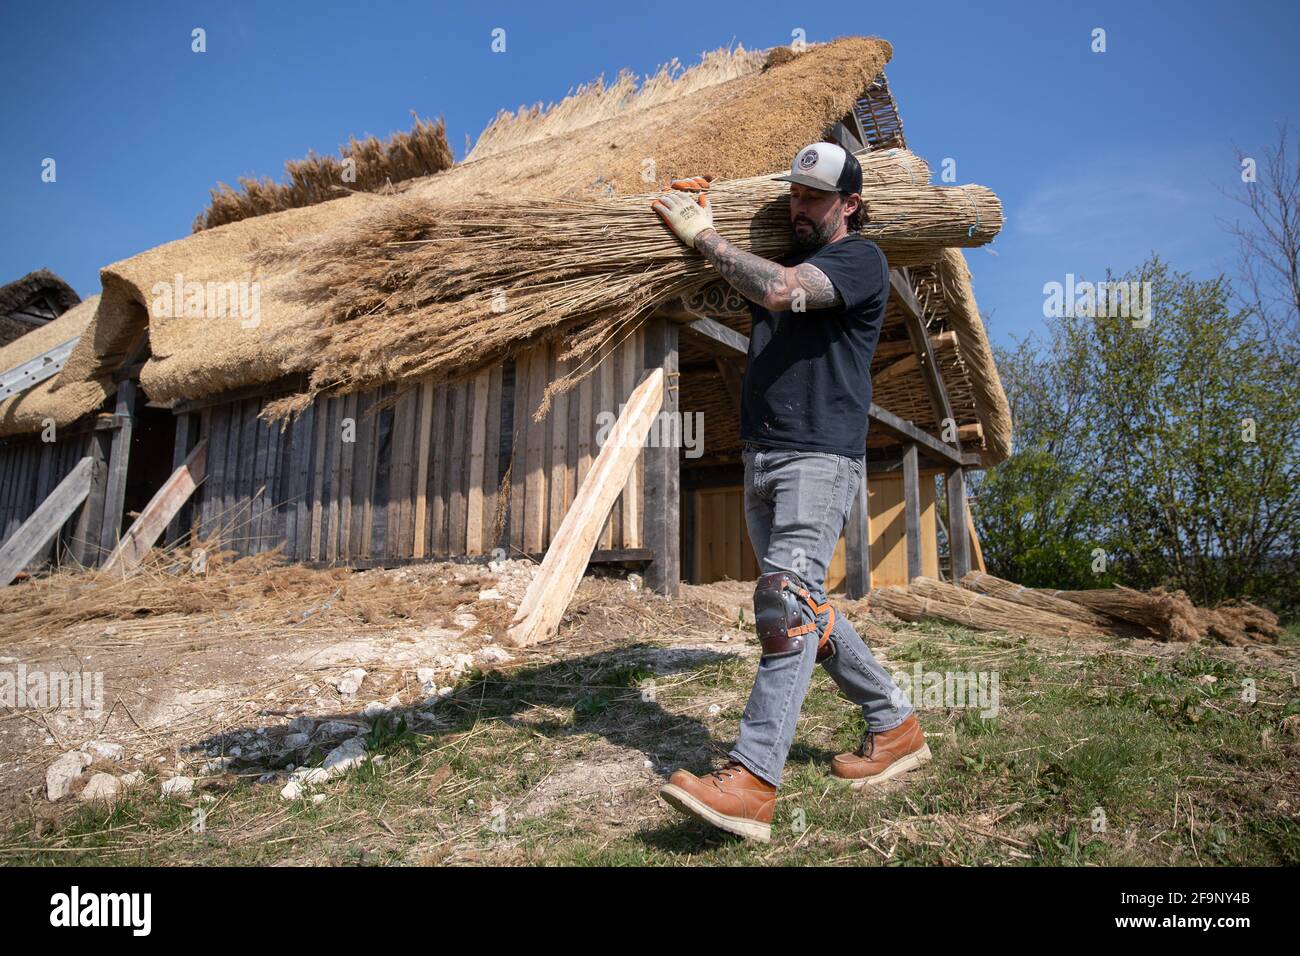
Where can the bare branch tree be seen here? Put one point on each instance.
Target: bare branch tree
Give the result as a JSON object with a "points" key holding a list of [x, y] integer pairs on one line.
{"points": [[1269, 240]]}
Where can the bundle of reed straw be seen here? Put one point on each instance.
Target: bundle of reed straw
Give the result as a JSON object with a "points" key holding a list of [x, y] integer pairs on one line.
{"points": [[421, 289], [1029, 597], [926, 598], [1168, 615]]}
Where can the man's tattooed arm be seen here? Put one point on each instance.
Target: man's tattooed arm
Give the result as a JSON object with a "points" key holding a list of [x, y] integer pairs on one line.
{"points": [[769, 284]]}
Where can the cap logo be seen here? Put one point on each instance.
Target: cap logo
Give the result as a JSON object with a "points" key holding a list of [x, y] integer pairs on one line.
{"points": [[808, 160]]}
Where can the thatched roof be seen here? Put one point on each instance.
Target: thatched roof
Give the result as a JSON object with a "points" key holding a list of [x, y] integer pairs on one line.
{"points": [[595, 143], [74, 392], [39, 284]]}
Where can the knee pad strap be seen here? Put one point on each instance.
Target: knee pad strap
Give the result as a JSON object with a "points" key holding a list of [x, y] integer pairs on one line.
{"points": [[778, 621]]}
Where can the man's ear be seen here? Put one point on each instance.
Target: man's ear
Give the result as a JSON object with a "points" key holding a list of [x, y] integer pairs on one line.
{"points": [[856, 199]]}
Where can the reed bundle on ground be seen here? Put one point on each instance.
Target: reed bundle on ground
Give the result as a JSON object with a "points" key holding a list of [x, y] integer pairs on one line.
{"points": [[420, 288], [926, 598], [1238, 623], [365, 165], [1030, 597], [1168, 615]]}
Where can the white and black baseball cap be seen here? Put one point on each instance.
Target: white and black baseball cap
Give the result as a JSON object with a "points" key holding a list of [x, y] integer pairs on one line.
{"points": [[827, 166]]}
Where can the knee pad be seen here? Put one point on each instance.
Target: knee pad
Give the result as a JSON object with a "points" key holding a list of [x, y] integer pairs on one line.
{"points": [[776, 616], [779, 620]]}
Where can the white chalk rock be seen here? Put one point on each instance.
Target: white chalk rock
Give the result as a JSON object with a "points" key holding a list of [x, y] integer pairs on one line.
{"points": [[490, 594], [350, 682], [493, 655], [178, 787], [61, 774], [103, 750], [102, 786]]}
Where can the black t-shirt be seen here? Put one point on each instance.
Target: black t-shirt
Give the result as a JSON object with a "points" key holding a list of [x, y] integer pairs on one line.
{"points": [[807, 383]]}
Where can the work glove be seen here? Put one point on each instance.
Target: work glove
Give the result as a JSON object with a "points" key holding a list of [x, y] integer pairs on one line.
{"points": [[686, 213], [695, 184]]}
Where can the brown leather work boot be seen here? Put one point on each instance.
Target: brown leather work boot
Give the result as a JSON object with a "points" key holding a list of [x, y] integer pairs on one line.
{"points": [[883, 755], [731, 798]]}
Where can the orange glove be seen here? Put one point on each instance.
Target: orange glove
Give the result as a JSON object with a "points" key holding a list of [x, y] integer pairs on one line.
{"points": [[694, 184]]}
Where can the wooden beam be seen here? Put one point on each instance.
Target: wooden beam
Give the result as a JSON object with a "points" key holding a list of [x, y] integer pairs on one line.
{"points": [[85, 542], [538, 616], [162, 507], [913, 435], [976, 550], [34, 534], [119, 460], [729, 339], [914, 322], [662, 499], [958, 541], [912, 512], [180, 452]]}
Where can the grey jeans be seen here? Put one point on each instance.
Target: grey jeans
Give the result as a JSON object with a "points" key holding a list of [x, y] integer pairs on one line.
{"points": [[796, 504]]}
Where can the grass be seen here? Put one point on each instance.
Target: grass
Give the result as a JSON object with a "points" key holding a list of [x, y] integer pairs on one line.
{"points": [[1104, 756]]}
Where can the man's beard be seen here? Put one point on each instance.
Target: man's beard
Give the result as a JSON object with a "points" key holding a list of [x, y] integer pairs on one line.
{"points": [[815, 237]]}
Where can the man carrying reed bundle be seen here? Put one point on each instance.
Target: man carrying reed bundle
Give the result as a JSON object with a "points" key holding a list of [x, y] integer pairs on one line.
{"points": [[817, 314]]}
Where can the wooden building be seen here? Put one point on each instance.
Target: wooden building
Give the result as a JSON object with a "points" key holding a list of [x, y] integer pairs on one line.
{"points": [[446, 464]]}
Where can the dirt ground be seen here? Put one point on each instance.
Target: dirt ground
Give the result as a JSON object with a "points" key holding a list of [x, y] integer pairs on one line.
{"points": [[183, 691], [222, 694]]}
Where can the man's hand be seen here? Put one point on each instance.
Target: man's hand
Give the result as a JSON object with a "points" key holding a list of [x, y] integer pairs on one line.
{"points": [[685, 210]]}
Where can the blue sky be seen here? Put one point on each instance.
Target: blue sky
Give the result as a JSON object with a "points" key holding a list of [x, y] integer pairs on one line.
{"points": [[1099, 158]]}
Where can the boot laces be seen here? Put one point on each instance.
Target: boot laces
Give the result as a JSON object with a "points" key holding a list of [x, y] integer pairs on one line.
{"points": [[868, 745]]}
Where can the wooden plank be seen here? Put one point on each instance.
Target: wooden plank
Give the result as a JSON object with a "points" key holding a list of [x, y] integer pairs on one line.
{"points": [[491, 459], [661, 495], [284, 452], [456, 522], [478, 438], [333, 480], [363, 476], [320, 442], [118, 461], [633, 363], [535, 454], [348, 442], [436, 493], [914, 322], [45, 482], [958, 538], [180, 451], [423, 441], [44, 523], [539, 614], [297, 525], [377, 515], [912, 511], [977, 551], [619, 390], [557, 472], [518, 451], [259, 489], [605, 372], [724, 338], [857, 545], [405, 451], [241, 489], [910, 433], [144, 531], [90, 523]]}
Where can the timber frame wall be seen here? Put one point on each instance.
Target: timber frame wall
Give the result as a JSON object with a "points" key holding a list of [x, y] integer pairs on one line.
{"points": [[423, 478]]}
